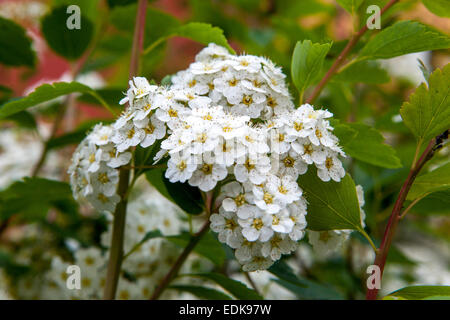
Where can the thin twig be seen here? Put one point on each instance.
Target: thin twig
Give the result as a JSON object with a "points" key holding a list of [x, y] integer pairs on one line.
{"points": [[342, 56], [381, 256], [173, 272]]}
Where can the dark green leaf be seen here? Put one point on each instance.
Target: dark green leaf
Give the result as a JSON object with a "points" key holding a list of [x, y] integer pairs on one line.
{"points": [[32, 198], [15, 45], [236, 288], [364, 71], [24, 119], [201, 292], [302, 288], [350, 5], [69, 43]]}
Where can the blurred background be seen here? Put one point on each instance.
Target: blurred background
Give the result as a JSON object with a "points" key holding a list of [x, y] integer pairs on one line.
{"points": [[31, 237]]}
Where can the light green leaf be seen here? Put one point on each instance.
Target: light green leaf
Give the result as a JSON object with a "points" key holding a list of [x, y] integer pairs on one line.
{"points": [[436, 180], [331, 205], [427, 114], [201, 292], [365, 72], [43, 93], [401, 38], [307, 61], [69, 43], [197, 31], [203, 33], [366, 144], [438, 7], [15, 45], [350, 5], [236, 288], [421, 292]]}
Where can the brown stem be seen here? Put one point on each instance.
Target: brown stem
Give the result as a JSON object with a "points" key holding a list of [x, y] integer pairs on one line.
{"points": [[342, 56], [380, 258], [173, 272], [118, 231], [116, 249]]}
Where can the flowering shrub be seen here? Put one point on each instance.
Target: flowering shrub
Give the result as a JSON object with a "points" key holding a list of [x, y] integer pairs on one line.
{"points": [[287, 165]]}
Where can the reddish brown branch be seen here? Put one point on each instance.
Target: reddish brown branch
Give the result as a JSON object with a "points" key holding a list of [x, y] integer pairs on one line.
{"points": [[342, 56], [380, 259]]}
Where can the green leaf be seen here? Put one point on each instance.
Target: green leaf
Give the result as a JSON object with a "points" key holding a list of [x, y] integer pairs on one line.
{"points": [[182, 194], [331, 205], [208, 246], [236, 288], [427, 114], [111, 96], [203, 33], [421, 292], [15, 45], [402, 38], [43, 93], [436, 203], [201, 292], [365, 72], [366, 144], [350, 5], [438, 7], [69, 43], [307, 61], [24, 119], [301, 287], [185, 196], [436, 180], [143, 157], [33, 197]]}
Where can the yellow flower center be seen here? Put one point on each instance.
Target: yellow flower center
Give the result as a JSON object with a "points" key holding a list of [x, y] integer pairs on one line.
{"points": [[257, 224], [207, 168]]}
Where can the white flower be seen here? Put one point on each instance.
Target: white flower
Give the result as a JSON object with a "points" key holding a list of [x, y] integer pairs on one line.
{"points": [[102, 202], [257, 227], [154, 130], [279, 244], [257, 263], [331, 168], [285, 189], [252, 167], [180, 168], [247, 103], [226, 225], [128, 136], [101, 134], [237, 200], [105, 180], [266, 199], [327, 242], [207, 175], [288, 164], [282, 222], [309, 152]]}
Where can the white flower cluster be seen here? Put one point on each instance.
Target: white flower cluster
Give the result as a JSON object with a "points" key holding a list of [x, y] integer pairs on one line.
{"points": [[145, 266], [227, 122]]}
